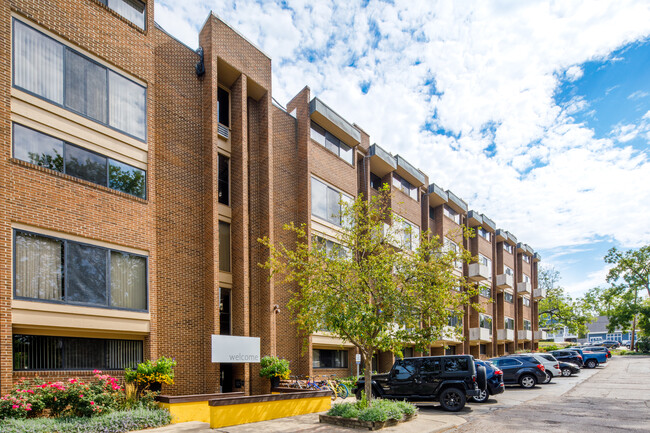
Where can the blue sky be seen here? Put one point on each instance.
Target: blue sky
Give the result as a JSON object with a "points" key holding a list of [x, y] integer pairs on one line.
{"points": [[537, 113]]}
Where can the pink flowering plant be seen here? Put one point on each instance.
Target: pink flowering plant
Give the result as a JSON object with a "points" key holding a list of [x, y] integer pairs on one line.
{"points": [[72, 397]]}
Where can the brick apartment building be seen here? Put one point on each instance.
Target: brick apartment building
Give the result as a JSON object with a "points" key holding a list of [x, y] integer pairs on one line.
{"points": [[136, 176]]}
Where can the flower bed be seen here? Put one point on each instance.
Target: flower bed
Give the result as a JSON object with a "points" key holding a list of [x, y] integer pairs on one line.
{"points": [[374, 416]]}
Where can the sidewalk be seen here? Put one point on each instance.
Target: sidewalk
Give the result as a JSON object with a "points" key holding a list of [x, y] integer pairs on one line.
{"points": [[426, 422]]}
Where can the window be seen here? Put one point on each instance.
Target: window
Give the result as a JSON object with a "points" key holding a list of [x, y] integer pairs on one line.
{"points": [[451, 214], [404, 186], [508, 270], [526, 278], [526, 301], [223, 106], [430, 366], [404, 369], [224, 311], [331, 143], [224, 180], [484, 234], [323, 358], [506, 362], [527, 325], [52, 269], [132, 10], [224, 246], [432, 213], [485, 291], [49, 152], [325, 202], [375, 181], [526, 258], [408, 234], [456, 364], [407, 352], [487, 262], [508, 297], [482, 349], [39, 352], [509, 248], [485, 322], [455, 320], [451, 350], [510, 323], [58, 74], [450, 245], [330, 246]]}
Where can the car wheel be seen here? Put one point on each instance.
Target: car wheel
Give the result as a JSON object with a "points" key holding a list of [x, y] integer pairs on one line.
{"points": [[566, 372], [452, 399], [549, 377], [481, 398], [527, 381], [591, 364]]}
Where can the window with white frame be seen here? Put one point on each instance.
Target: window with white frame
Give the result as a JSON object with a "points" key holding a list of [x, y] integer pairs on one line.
{"points": [[451, 214], [510, 323], [508, 297], [405, 186], [508, 270], [485, 322], [526, 301], [526, 279], [527, 326], [526, 258], [326, 202], [408, 234], [487, 262], [484, 234], [132, 10], [484, 291], [450, 245], [509, 248], [323, 137]]}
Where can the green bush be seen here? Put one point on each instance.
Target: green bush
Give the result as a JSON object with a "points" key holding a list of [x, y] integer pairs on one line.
{"points": [[643, 344], [346, 410], [373, 413], [407, 408], [549, 348], [272, 366], [146, 373], [380, 410], [116, 422]]}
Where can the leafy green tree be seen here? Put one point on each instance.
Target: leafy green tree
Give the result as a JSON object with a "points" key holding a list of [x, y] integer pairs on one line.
{"points": [[376, 287], [558, 309]]}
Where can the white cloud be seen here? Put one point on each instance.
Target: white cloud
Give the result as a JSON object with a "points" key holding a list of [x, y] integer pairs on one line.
{"points": [[551, 181], [593, 279], [639, 94]]}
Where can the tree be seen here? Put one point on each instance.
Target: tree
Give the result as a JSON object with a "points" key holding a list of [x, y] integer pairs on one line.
{"points": [[629, 275], [378, 287], [558, 309]]}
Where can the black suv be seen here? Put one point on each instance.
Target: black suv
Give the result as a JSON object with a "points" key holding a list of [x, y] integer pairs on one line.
{"points": [[568, 356], [447, 379], [520, 369]]}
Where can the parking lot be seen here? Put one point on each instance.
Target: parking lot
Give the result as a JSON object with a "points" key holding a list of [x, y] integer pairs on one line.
{"points": [[612, 398]]}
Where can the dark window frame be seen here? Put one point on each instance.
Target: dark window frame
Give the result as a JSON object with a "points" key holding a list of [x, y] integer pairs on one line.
{"points": [[229, 104], [225, 292], [64, 156], [65, 279], [345, 358], [61, 341], [376, 183], [223, 158], [339, 144], [63, 105]]}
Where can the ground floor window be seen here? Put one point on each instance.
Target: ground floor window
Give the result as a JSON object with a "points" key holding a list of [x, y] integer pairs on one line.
{"points": [[483, 349], [40, 352], [324, 358], [451, 350]]}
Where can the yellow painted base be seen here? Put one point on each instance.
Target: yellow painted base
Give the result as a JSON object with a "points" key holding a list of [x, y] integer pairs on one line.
{"points": [[185, 412], [235, 414]]}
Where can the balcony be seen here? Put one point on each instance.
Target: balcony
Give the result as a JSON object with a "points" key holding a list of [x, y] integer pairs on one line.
{"points": [[525, 335], [505, 335], [539, 293], [479, 272], [449, 335], [505, 281], [523, 288], [540, 335], [480, 334]]}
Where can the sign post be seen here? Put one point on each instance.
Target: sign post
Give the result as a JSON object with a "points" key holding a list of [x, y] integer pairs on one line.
{"points": [[358, 357]]}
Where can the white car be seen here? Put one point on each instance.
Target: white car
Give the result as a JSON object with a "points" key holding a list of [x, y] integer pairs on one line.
{"points": [[549, 362]]}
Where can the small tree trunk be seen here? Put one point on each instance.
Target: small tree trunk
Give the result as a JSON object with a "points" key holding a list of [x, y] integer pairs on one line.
{"points": [[367, 375], [632, 345]]}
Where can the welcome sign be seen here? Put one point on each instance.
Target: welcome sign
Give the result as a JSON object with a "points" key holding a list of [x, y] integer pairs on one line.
{"points": [[233, 349]]}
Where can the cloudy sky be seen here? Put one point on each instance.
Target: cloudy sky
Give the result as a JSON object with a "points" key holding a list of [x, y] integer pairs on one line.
{"points": [[537, 113]]}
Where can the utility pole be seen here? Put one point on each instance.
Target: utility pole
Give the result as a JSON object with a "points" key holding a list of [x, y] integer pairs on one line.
{"points": [[633, 346]]}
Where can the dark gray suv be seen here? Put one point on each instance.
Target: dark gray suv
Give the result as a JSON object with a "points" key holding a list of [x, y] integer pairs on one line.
{"points": [[520, 369]]}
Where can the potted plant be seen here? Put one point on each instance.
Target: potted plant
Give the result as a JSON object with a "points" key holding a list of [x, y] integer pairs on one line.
{"points": [[150, 375], [274, 369]]}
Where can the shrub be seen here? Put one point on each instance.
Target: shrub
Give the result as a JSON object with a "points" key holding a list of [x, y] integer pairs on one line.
{"points": [[389, 407], [643, 345], [346, 410], [373, 413], [149, 372], [272, 366], [116, 422], [549, 348], [407, 408], [380, 410], [363, 403]]}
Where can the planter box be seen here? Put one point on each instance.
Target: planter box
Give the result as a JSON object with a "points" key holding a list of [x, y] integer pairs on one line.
{"points": [[356, 423]]}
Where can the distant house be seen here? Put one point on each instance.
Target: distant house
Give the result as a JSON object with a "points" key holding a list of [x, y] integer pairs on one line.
{"points": [[597, 331], [562, 335]]}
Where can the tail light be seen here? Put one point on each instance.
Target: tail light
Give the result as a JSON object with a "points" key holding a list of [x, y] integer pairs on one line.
{"points": [[557, 366], [498, 372], [541, 367], [580, 356]]}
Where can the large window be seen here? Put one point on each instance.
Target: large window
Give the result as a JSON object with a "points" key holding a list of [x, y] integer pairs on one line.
{"points": [[485, 322], [527, 326], [330, 247], [49, 152], [455, 320], [408, 234], [52, 71], [526, 258], [450, 245], [508, 297], [59, 270], [451, 214], [510, 323], [326, 202], [224, 246], [39, 352], [225, 311], [484, 291], [333, 144], [526, 278], [375, 182], [509, 248], [325, 358], [224, 180], [132, 10], [405, 186], [487, 262], [484, 234], [508, 270], [223, 106], [526, 301]]}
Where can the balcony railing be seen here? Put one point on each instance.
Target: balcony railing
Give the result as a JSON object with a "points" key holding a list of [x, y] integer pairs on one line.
{"points": [[449, 335], [525, 335], [505, 334], [539, 293], [540, 335], [523, 288], [480, 334], [505, 281], [479, 272]]}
